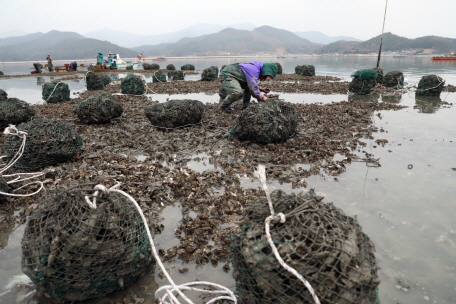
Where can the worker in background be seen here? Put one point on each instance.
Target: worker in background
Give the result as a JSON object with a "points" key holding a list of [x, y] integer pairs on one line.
{"points": [[50, 65], [100, 58], [73, 66], [241, 80]]}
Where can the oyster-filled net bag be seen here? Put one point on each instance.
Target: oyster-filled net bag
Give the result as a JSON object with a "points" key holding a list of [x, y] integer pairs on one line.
{"points": [[210, 74], [175, 113], [430, 85], [133, 84], [98, 109], [14, 111], [266, 122], [49, 142], [363, 81], [394, 79], [54, 92], [325, 246], [73, 251]]}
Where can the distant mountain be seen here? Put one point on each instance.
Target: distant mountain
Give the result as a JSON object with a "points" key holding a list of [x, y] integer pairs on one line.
{"points": [[13, 33], [60, 45], [263, 39], [133, 40], [20, 39], [392, 43], [319, 37]]}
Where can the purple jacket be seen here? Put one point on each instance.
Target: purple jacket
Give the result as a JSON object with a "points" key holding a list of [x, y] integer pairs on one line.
{"points": [[252, 71]]}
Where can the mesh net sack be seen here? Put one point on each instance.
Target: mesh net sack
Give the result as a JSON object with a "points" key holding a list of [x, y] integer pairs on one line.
{"points": [[97, 68], [362, 87], [430, 85], [266, 122], [73, 252], [159, 76], [129, 67], [170, 67], [154, 66], [176, 75], [105, 79], [223, 66], [364, 74], [3, 188], [1, 73], [175, 113], [379, 78], [210, 74], [3, 95], [49, 142], [317, 239], [98, 109], [279, 68], [146, 66], [94, 81], [133, 84], [305, 70], [188, 67], [38, 67], [394, 79], [14, 111], [54, 92]]}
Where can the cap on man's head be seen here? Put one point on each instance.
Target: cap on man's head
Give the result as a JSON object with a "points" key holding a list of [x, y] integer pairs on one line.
{"points": [[269, 69]]}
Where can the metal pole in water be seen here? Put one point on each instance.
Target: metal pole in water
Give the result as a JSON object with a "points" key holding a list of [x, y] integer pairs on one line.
{"points": [[381, 40]]}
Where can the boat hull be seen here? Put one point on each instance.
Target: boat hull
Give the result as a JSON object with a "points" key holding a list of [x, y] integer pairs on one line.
{"points": [[443, 58]]}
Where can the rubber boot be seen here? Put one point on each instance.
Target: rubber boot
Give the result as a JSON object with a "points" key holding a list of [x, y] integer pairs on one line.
{"points": [[246, 100], [226, 106]]}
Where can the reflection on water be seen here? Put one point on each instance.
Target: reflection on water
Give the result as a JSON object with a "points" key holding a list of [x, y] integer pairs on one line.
{"points": [[428, 104], [365, 98], [392, 98]]}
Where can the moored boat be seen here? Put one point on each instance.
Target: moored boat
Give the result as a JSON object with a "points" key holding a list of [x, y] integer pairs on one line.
{"points": [[159, 59], [445, 57]]}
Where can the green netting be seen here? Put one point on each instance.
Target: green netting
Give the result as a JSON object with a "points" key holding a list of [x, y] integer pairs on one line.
{"points": [[129, 67], [133, 84], [364, 74], [175, 75], [175, 113], [54, 92], [73, 252], [305, 70], [98, 109], [159, 76], [279, 68], [105, 79], [362, 87], [394, 79], [14, 111], [188, 67], [170, 67], [146, 66], [3, 95], [49, 142], [210, 74], [430, 85], [266, 122], [95, 81], [325, 246]]}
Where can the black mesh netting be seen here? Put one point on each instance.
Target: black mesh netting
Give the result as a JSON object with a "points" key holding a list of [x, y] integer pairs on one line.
{"points": [[188, 67], [317, 239], [279, 68], [175, 113], [176, 75], [430, 85], [379, 78], [3, 95], [159, 76], [266, 122], [223, 66], [98, 109], [170, 67], [210, 74], [14, 111], [394, 79], [153, 66], [49, 142], [305, 70], [3, 188], [363, 81], [97, 81], [73, 252], [54, 92], [133, 84]]}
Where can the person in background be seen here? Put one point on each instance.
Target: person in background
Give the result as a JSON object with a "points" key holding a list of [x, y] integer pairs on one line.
{"points": [[50, 65], [73, 66], [100, 58], [241, 80]]}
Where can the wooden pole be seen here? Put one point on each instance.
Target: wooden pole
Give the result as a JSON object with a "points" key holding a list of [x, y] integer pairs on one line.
{"points": [[381, 40]]}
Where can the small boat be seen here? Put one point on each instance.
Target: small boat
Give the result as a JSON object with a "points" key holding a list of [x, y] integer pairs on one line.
{"points": [[159, 59], [445, 57], [115, 61], [399, 56]]}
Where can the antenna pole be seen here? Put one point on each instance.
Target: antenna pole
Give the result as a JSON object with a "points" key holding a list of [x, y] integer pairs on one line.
{"points": [[381, 40]]}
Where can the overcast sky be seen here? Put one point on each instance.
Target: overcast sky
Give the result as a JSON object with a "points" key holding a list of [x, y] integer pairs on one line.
{"points": [[361, 19]]}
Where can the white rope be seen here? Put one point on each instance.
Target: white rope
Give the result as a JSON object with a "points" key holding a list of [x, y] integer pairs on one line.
{"points": [[18, 177], [169, 297], [261, 175]]}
